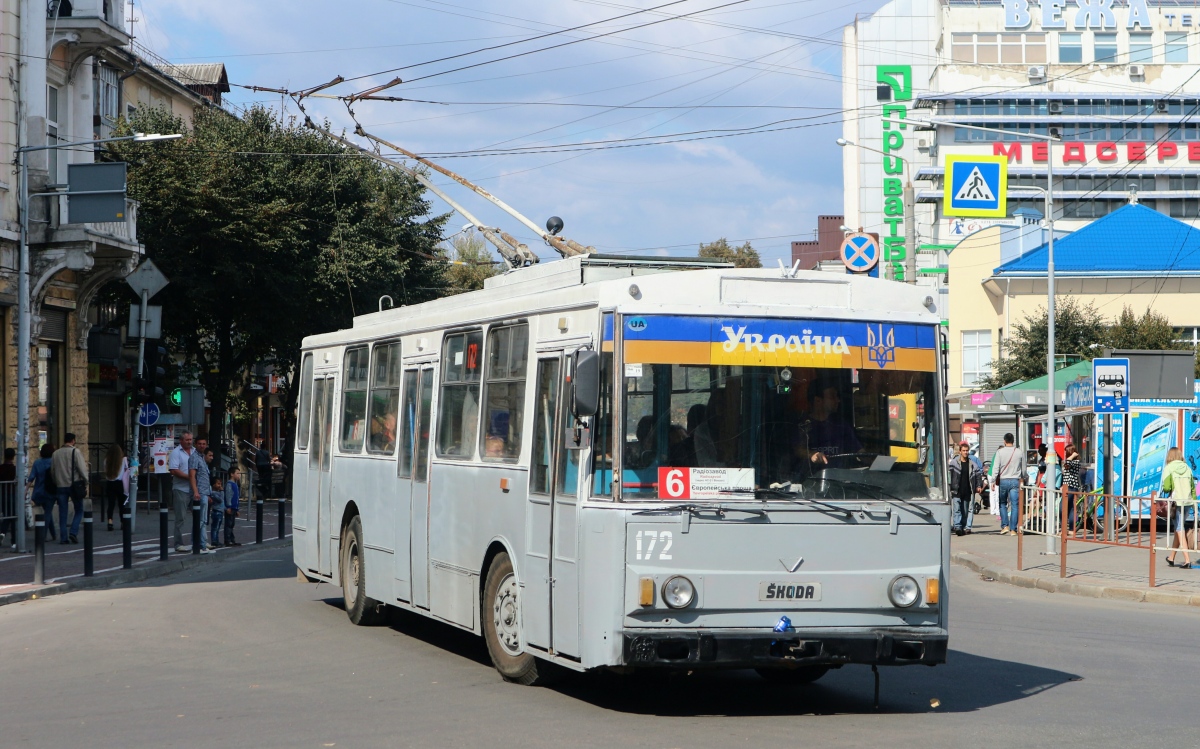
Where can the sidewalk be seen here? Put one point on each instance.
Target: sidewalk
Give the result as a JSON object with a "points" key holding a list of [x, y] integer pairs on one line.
{"points": [[64, 564], [1093, 570]]}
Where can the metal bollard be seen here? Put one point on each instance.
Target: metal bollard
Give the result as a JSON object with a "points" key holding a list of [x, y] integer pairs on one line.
{"points": [[163, 522], [282, 516], [258, 520], [195, 526], [39, 546], [89, 539], [127, 538]]}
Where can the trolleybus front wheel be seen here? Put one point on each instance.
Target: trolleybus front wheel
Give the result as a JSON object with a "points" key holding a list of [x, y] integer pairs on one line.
{"points": [[792, 676], [502, 626], [362, 610]]}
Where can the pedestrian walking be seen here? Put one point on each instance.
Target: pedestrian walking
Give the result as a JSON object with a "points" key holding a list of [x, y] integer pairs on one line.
{"points": [[116, 482], [1179, 484], [1008, 467], [216, 513], [198, 468], [233, 500], [41, 478], [183, 488], [70, 476], [965, 483]]}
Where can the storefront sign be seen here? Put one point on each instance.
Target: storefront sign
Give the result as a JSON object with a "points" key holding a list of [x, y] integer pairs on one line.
{"points": [[897, 78], [1091, 14], [1105, 152]]}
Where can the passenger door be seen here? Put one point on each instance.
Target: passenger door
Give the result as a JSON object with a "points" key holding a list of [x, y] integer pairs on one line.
{"points": [[550, 602], [414, 460], [319, 463]]}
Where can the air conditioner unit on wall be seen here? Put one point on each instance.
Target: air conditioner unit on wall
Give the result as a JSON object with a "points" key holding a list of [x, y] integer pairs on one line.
{"points": [[1160, 106], [1137, 71], [1054, 107], [1037, 72]]}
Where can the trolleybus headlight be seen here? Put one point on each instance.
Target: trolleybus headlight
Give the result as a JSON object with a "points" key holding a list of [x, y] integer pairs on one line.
{"points": [[678, 592], [904, 591]]}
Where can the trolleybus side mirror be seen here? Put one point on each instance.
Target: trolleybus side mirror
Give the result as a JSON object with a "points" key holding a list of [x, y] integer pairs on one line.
{"points": [[585, 384]]}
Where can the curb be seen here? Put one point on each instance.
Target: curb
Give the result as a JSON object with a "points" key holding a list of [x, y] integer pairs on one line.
{"points": [[1057, 585], [137, 574]]}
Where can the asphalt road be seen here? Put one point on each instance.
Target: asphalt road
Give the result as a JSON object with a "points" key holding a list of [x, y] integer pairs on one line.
{"points": [[240, 654]]}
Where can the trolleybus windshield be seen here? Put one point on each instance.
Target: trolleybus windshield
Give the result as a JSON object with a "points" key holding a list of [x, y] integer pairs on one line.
{"points": [[717, 408]]}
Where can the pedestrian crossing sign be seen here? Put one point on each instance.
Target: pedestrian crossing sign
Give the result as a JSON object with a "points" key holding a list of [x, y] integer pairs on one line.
{"points": [[975, 186]]}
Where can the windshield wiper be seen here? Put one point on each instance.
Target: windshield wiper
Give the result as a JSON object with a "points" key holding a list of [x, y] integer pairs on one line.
{"points": [[882, 494], [697, 509], [793, 497]]}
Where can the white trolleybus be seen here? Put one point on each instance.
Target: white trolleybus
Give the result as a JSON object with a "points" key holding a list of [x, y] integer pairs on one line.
{"points": [[607, 462]]}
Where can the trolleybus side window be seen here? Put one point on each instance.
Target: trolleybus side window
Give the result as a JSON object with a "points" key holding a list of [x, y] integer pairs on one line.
{"points": [[504, 392], [602, 431], [385, 398], [426, 419], [408, 422], [458, 409], [306, 386], [543, 426], [354, 400]]}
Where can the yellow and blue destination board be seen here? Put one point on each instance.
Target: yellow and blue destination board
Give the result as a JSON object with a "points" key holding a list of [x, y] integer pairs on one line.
{"points": [[770, 342]]}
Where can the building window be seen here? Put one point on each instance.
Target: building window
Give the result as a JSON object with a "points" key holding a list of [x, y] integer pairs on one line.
{"points": [[52, 132], [1087, 207], [987, 49], [976, 356], [385, 399], [1106, 47], [1035, 48], [458, 409], [1070, 48], [1011, 51], [1189, 335], [1184, 182], [962, 48], [354, 400], [1184, 208], [1141, 49], [1176, 47], [504, 392]]}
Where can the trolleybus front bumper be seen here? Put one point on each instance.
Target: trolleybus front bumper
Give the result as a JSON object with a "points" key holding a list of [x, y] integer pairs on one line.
{"points": [[715, 649]]}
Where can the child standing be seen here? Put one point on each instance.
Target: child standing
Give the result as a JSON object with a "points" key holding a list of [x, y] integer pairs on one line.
{"points": [[233, 496], [216, 513]]}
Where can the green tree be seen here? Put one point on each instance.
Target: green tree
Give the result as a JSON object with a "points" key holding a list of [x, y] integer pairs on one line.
{"points": [[270, 232], [472, 263], [1150, 332], [1078, 330], [743, 256]]}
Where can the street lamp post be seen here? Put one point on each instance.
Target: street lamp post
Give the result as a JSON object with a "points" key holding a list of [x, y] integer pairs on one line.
{"points": [[24, 310], [1051, 455], [910, 209]]}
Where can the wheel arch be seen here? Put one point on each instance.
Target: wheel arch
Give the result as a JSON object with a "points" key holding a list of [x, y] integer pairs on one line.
{"points": [[349, 512], [497, 547]]}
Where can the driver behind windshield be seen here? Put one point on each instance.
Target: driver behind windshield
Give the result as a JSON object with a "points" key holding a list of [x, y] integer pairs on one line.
{"points": [[828, 433]]}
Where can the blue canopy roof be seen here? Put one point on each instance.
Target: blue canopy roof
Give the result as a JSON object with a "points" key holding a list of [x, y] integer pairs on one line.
{"points": [[1131, 241]]}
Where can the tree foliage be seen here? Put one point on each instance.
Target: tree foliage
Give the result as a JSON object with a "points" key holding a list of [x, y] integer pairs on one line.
{"points": [[743, 256], [270, 232], [472, 263], [1080, 332]]}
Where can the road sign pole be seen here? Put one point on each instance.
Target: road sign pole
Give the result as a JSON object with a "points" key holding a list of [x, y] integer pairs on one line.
{"points": [[1109, 525], [136, 452]]}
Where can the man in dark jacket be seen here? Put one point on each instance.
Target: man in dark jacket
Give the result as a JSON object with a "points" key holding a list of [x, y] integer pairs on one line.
{"points": [[966, 481]]}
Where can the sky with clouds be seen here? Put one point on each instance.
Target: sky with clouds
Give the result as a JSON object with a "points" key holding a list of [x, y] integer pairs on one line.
{"points": [[727, 65]]}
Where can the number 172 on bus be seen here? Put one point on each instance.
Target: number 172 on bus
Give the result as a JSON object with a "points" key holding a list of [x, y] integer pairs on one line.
{"points": [[705, 483]]}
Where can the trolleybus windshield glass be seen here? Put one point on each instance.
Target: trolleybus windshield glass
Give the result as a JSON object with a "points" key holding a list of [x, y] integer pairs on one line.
{"points": [[742, 404]]}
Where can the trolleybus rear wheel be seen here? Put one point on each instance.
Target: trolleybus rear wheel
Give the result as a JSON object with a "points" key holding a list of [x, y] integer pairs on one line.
{"points": [[502, 626], [361, 609], [784, 676]]}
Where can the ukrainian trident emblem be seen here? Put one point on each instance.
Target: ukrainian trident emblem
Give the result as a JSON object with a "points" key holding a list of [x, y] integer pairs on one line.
{"points": [[881, 350]]}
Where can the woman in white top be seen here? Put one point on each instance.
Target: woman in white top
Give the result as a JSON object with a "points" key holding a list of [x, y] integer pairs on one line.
{"points": [[116, 484]]}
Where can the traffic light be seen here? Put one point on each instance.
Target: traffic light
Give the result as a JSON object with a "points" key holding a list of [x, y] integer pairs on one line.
{"points": [[141, 391], [177, 397], [152, 390]]}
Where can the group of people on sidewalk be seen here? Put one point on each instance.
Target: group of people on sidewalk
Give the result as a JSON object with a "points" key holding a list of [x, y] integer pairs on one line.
{"points": [[59, 478], [1008, 471], [192, 482]]}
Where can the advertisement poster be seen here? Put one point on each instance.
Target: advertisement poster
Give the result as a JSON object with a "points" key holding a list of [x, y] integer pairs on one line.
{"points": [[1118, 430]]}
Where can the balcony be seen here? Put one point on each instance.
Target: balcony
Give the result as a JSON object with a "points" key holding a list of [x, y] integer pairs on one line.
{"points": [[90, 23], [118, 236]]}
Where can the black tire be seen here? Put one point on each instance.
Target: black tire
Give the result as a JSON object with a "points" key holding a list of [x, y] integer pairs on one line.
{"points": [[361, 609], [500, 612], [792, 676]]}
